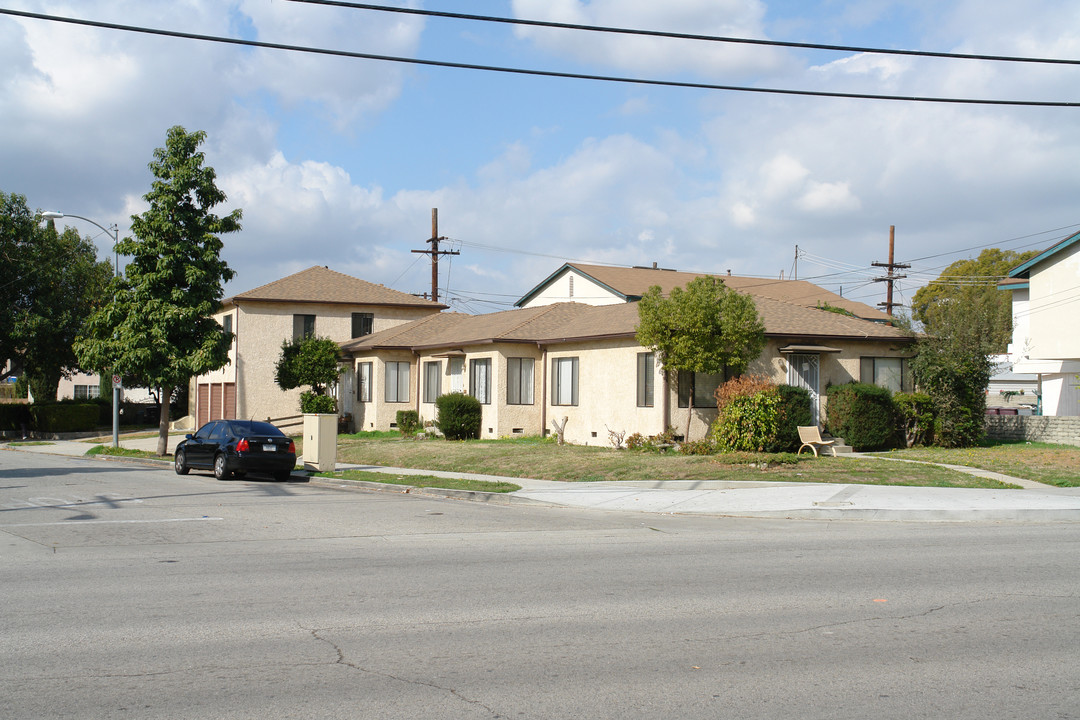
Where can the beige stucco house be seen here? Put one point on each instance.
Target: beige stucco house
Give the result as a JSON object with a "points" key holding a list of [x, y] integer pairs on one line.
{"points": [[569, 351], [1046, 308], [317, 301]]}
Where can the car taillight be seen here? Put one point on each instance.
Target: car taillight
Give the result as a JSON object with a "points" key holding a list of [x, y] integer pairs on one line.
{"points": [[242, 446], [292, 447]]}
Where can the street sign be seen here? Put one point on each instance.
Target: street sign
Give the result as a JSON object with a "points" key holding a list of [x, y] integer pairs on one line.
{"points": [[116, 382]]}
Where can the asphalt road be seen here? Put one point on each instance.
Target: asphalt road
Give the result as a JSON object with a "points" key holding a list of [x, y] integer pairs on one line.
{"points": [[133, 593]]}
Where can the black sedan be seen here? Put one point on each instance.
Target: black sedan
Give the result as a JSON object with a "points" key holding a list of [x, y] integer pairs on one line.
{"points": [[235, 447]]}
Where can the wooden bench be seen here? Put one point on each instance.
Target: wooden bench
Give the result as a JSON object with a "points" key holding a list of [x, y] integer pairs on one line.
{"points": [[811, 438]]}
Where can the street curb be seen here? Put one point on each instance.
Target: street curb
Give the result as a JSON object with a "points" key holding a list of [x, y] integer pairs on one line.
{"points": [[470, 495]]}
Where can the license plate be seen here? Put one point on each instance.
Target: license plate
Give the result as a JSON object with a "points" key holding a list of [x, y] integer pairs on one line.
{"points": [[269, 448]]}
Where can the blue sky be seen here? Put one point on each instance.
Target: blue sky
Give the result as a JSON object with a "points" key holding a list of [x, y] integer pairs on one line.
{"points": [[338, 162]]}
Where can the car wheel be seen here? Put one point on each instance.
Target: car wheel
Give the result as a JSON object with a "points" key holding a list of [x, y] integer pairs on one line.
{"points": [[180, 463], [283, 475], [221, 472]]}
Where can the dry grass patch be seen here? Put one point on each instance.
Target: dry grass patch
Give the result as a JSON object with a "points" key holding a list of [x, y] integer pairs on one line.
{"points": [[1051, 464], [542, 459]]}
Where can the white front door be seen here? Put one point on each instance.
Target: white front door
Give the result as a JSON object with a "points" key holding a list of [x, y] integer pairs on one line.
{"points": [[803, 372]]}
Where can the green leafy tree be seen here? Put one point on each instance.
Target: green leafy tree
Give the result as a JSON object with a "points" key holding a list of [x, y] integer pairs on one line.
{"points": [[159, 328], [705, 328], [310, 361], [67, 284], [16, 235], [56, 282], [972, 286]]}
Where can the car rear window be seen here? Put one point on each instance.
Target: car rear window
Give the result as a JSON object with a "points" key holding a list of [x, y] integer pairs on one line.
{"points": [[254, 427]]}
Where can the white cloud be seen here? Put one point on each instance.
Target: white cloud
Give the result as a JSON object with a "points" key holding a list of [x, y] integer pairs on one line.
{"points": [[729, 18]]}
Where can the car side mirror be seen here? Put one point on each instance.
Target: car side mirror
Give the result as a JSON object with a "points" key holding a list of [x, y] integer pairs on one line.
{"points": [[188, 436]]}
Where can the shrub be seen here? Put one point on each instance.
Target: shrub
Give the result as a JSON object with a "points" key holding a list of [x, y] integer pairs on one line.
{"points": [[66, 417], [311, 402], [408, 422], [698, 447], [916, 411], [794, 410], [652, 443], [748, 415], [13, 416], [458, 416], [864, 415]]}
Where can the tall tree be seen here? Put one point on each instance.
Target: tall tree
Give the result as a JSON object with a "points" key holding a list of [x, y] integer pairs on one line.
{"points": [[160, 327], [16, 236], [67, 284], [55, 282], [972, 286], [705, 328]]}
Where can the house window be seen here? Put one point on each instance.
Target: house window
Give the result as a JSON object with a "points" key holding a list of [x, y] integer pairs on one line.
{"points": [[887, 372], [362, 324], [85, 392], [432, 381], [456, 369], [702, 385], [564, 386], [397, 382], [363, 382], [226, 324], [646, 379], [519, 381], [303, 326], [480, 380]]}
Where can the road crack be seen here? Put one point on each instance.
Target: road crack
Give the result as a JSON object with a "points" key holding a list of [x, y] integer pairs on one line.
{"points": [[343, 660]]}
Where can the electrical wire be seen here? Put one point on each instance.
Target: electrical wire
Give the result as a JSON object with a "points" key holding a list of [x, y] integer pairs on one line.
{"points": [[688, 36], [534, 73]]}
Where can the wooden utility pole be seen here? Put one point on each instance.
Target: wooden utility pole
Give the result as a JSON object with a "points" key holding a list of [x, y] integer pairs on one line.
{"points": [[435, 252], [890, 278]]}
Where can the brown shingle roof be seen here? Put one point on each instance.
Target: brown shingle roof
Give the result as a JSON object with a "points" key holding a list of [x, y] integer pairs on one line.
{"points": [[321, 285], [631, 284], [569, 322]]}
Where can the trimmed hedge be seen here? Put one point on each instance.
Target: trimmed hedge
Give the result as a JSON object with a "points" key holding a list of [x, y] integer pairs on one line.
{"points": [[458, 416], [13, 416], [64, 417], [864, 415]]}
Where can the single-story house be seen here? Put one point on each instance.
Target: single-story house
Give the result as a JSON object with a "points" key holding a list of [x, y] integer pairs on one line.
{"points": [[552, 358], [317, 301], [1046, 303]]}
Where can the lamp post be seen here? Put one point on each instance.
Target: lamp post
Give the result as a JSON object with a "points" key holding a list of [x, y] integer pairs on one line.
{"points": [[115, 230]]}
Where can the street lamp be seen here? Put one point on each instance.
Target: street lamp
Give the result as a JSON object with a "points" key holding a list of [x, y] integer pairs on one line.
{"points": [[115, 230]]}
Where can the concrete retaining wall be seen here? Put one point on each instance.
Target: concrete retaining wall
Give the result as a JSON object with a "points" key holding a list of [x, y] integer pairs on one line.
{"points": [[1034, 428]]}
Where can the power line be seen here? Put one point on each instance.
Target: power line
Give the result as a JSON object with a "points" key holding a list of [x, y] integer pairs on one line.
{"points": [[536, 73], [688, 36]]}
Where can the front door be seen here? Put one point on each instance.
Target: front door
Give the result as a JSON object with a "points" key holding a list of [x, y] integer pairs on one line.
{"points": [[803, 372]]}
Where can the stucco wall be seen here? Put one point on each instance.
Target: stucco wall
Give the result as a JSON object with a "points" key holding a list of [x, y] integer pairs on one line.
{"points": [[1054, 305], [260, 328]]}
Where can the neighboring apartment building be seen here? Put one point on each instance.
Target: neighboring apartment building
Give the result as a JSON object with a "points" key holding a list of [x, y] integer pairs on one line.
{"points": [[552, 359], [1046, 308], [317, 301]]}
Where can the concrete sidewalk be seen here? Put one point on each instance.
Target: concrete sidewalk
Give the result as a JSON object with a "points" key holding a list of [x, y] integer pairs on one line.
{"points": [[1035, 503]]}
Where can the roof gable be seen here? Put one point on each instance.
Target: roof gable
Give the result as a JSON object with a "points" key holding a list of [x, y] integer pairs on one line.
{"points": [[320, 284], [1024, 270], [630, 284]]}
